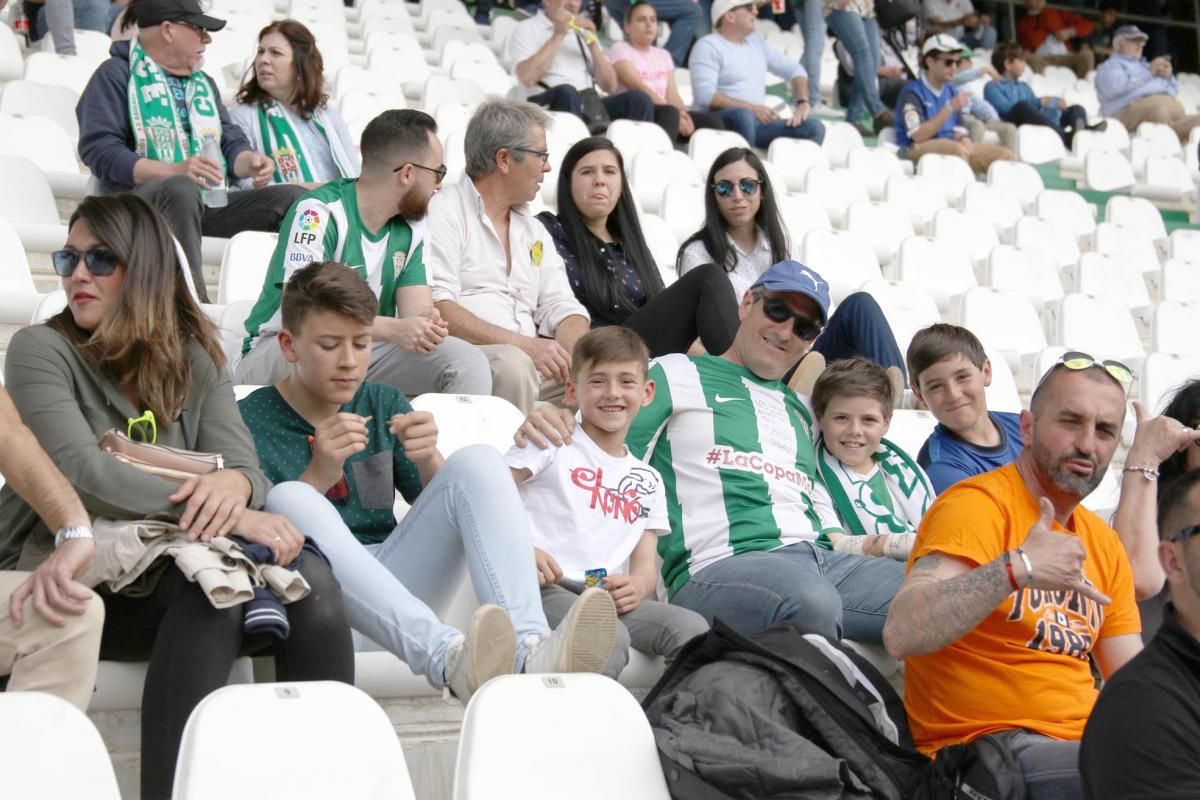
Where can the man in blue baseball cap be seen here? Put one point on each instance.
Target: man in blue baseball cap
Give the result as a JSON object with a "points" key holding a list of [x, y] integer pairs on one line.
{"points": [[745, 501]]}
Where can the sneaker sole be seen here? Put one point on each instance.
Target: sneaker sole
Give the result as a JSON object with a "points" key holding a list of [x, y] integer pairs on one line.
{"points": [[590, 633], [491, 646]]}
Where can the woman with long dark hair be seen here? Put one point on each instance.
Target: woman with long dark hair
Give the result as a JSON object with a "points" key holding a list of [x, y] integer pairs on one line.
{"points": [[743, 235], [610, 267], [283, 109], [133, 351]]}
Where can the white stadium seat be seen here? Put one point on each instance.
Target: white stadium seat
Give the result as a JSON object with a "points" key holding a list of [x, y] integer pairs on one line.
{"points": [[42, 735], [683, 209], [1017, 180], [705, 145], [492, 78], [1179, 282], [794, 157], [1066, 208], [26, 99], [1028, 272], [1107, 171], [1006, 323], [951, 173], [650, 172], [1098, 326], [244, 266], [939, 267], [836, 189], [1099, 275], [840, 139], [873, 167], [1163, 374], [1037, 144], [910, 428], [663, 244], [632, 137], [907, 308], [919, 196], [842, 258], [970, 233], [1137, 213], [1001, 209], [1002, 394], [1176, 329], [1184, 244], [802, 213], [1058, 244], [1126, 245], [881, 225]]}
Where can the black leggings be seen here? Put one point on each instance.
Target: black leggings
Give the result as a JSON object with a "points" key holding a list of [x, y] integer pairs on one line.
{"points": [[667, 118], [191, 647], [1026, 113], [700, 305]]}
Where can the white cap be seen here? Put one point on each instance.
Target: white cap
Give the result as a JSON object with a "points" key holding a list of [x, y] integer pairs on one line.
{"points": [[722, 7], [942, 43]]}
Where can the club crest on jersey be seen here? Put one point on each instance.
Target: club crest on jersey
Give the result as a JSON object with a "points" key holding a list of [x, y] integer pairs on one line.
{"points": [[288, 165], [398, 259], [535, 253]]}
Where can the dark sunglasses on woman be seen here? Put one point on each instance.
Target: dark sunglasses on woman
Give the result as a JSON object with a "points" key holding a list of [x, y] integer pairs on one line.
{"points": [[99, 261], [748, 186]]}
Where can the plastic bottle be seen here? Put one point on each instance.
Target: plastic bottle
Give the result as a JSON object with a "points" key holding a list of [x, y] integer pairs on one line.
{"points": [[20, 22], [215, 196]]}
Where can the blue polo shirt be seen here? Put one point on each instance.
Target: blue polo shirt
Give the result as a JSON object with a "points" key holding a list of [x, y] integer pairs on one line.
{"points": [[948, 459], [917, 103]]}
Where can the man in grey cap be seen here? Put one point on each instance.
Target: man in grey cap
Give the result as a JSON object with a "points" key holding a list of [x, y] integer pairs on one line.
{"points": [[145, 118], [1135, 90]]}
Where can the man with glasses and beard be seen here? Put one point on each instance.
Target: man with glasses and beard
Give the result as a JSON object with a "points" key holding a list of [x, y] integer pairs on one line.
{"points": [[745, 502], [1014, 587], [373, 224]]}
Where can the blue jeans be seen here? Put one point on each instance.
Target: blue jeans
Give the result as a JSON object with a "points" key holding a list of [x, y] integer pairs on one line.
{"points": [[688, 20], [858, 327], [983, 38], [469, 512], [60, 18], [834, 594], [812, 28], [860, 37], [1050, 766], [759, 134]]}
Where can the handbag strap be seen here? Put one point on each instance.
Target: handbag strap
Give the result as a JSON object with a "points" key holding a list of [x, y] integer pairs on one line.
{"points": [[587, 61], [190, 435]]}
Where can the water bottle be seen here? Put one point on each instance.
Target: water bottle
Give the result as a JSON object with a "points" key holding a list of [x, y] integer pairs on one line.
{"points": [[21, 22], [215, 196]]}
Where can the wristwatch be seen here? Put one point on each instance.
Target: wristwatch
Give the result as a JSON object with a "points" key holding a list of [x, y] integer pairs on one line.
{"points": [[73, 532]]}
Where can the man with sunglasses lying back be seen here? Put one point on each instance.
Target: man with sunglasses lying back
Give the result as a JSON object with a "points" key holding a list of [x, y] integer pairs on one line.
{"points": [[1013, 587], [745, 501]]}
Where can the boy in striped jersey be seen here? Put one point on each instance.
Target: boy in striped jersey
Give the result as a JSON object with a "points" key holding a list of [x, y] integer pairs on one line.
{"points": [[744, 500]]}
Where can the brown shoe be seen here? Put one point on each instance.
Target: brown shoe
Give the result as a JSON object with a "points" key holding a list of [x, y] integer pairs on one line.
{"points": [[884, 119]]}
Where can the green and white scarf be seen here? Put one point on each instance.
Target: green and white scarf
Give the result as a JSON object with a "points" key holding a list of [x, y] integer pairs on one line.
{"points": [[285, 147], [157, 129], [891, 500]]}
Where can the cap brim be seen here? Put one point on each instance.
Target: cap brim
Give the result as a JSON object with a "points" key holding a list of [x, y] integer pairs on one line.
{"points": [[205, 21]]}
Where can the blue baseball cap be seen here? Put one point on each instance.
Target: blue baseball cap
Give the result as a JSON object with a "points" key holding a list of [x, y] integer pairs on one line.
{"points": [[792, 276]]}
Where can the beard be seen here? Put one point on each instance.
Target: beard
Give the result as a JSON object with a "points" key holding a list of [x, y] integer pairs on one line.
{"points": [[413, 206], [1055, 472]]}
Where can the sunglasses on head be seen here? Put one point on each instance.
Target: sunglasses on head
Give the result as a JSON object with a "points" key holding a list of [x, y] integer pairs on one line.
{"points": [[1076, 361], [748, 187], [777, 311], [100, 261]]}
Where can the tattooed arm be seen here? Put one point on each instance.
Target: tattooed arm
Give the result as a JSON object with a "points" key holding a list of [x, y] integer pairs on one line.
{"points": [[941, 599]]}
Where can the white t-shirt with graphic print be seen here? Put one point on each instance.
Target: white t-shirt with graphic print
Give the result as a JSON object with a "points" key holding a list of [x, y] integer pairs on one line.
{"points": [[586, 508]]}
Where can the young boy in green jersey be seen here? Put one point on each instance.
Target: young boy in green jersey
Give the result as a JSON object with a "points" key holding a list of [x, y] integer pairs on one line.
{"points": [[595, 510], [950, 373], [346, 446], [878, 491]]}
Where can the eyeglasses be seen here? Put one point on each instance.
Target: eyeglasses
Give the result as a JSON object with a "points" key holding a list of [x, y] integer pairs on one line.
{"points": [[201, 32], [949, 62], [747, 186], [777, 311], [543, 155], [1075, 360], [100, 261], [144, 427], [1185, 534], [439, 172]]}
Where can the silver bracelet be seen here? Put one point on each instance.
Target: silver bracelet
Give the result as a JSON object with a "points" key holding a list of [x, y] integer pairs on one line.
{"points": [[1028, 566], [1149, 473]]}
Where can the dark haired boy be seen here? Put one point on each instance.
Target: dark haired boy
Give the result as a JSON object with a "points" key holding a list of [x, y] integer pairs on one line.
{"points": [[595, 510], [950, 373], [1016, 103]]}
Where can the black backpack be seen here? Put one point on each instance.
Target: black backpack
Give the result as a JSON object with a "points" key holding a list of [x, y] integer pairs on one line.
{"points": [[783, 715]]}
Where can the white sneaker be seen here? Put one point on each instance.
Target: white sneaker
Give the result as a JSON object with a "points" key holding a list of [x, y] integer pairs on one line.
{"points": [[583, 641], [488, 649]]}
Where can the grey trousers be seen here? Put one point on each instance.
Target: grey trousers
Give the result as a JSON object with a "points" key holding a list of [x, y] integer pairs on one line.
{"points": [[454, 367], [516, 379], [658, 629]]}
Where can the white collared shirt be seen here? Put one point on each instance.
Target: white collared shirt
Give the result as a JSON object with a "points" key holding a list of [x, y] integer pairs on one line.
{"points": [[467, 264], [569, 66], [749, 265]]}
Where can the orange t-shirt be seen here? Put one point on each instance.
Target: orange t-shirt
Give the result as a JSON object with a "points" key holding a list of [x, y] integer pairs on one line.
{"points": [[1026, 664]]}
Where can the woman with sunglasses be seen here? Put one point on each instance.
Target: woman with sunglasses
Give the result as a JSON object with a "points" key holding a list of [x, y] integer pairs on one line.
{"points": [[743, 234], [282, 107], [610, 267], [133, 351]]}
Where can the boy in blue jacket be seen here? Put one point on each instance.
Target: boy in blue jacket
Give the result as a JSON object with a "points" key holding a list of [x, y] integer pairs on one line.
{"points": [[1015, 101]]}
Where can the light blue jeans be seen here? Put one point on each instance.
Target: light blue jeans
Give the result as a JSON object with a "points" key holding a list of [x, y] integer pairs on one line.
{"points": [[834, 594], [469, 511], [860, 36], [812, 28]]}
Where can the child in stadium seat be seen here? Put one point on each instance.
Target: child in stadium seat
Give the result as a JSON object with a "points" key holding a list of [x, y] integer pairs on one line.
{"points": [[950, 374], [346, 446], [595, 510], [1015, 101], [878, 491]]}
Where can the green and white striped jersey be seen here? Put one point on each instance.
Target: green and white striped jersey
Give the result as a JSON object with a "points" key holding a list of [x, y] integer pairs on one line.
{"points": [[324, 225], [736, 456]]}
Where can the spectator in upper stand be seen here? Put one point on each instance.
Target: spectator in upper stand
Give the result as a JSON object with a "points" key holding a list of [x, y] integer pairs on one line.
{"points": [[283, 109], [729, 73], [556, 55], [144, 117], [1136, 91], [744, 235], [373, 223], [1047, 34], [1015, 101], [959, 19], [61, 18], [890, 77], [687, 18], [980, 116], [950, 373], [498, 279], [929, 110], [853, 23], [611, 270], [643, 67], [1101, 39]]}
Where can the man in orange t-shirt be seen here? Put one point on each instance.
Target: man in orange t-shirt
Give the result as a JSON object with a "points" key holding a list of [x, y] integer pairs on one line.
{"points": [[1012, 586]]}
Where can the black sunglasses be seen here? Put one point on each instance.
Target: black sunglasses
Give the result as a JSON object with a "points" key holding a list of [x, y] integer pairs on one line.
{"points": [[439, 172], [748, 186], [100, 262], [777, 310], [950, 62], [1186, 533]]}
